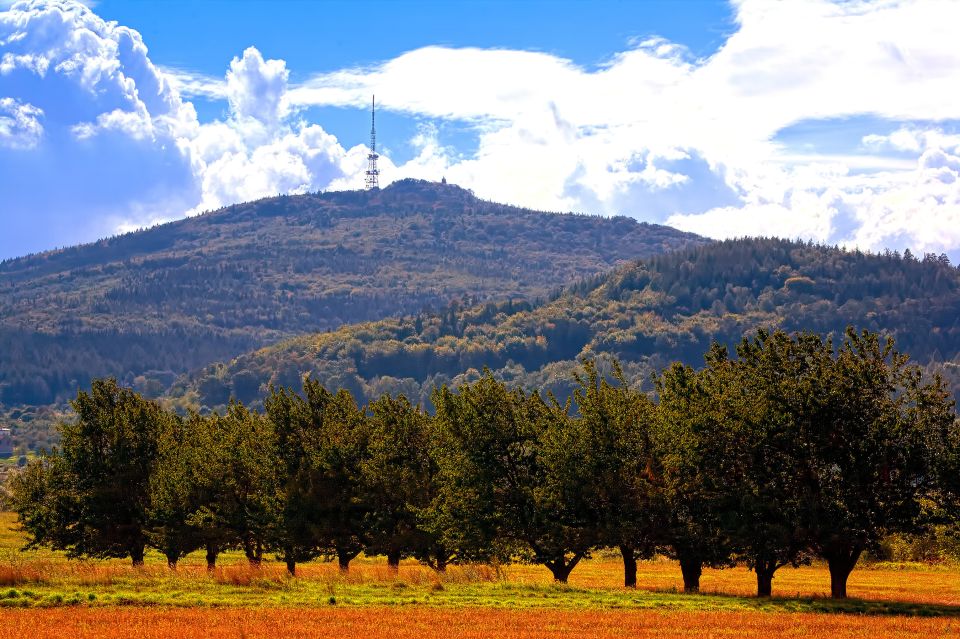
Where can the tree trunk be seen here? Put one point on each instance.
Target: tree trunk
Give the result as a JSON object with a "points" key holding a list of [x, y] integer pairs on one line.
{"points": [[440, 558], [253, 552], [343, 558], [841, 563], [561, 569], [172, 560], [629, 566], [291, 566], [691, 569], [393, 560], [212, 553], [136, 555], [764, 580]]}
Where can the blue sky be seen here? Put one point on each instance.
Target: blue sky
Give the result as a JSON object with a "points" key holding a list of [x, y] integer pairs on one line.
{"points": [[831, 121], [322, 37]]}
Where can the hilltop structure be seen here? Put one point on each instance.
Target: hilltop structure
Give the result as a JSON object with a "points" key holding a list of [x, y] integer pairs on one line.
{"points": [[373, 173]]}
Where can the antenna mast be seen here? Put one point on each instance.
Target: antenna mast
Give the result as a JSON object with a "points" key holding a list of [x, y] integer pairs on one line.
{"points": [[373, 173]]}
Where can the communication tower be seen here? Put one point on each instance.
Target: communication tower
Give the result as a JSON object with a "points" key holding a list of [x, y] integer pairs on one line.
{"points": [[373, 173]]}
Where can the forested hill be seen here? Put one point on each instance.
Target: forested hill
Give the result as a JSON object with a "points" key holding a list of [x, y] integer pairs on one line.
{"points": [[148, 306], [648, 313]]}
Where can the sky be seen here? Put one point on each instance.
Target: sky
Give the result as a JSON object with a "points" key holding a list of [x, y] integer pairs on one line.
{"points": [[837, 122]]}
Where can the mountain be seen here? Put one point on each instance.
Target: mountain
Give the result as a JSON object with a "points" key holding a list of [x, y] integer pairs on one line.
{"points": [[148, 306], [647, 313]]}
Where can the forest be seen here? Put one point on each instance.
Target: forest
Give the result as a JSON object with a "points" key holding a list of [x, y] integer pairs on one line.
{"points": [[647, 314], [788, 448], [148, 306]]}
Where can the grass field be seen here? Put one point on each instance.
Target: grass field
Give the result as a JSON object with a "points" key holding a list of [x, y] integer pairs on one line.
{"points": [[42, 594]]}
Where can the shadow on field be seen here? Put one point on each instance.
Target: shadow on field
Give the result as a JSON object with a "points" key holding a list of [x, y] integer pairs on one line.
{"points": [[850, 605]]}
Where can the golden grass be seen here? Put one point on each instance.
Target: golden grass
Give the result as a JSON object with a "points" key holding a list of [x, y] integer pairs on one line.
{"points": [[22, 570], [469, 623], [921, 584], [46, 595], [930, 585]]}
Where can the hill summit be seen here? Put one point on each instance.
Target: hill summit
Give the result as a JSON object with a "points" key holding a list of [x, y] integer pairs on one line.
{"points": [[148, 306]]}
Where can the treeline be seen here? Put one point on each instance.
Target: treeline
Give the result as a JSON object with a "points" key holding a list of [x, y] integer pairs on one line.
{"points": [[647, 314], [161, 302], [790, 449]]}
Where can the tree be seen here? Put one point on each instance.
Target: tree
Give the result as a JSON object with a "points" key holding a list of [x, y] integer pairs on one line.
{"points": [[235, 481], [692, 494], [293, 532], [91, 497], [172, 529], [876, 441], [41, 500], [764, 406], [947, 500], [605, 465], [396, 473], [337, 446], [495, 483]]}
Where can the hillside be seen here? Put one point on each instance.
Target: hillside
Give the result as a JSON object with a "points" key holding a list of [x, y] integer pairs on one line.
{"points": [[148, 306], [647, 313]]}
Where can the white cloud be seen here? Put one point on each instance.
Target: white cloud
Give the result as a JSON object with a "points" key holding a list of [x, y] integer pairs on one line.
{"points": [[191, 84], [555, 135], [913, 140], [138, 125], [297, 162], [124, 146], [256, 87], [111, 148], [653, 132], [20, 126], [923, 208]]}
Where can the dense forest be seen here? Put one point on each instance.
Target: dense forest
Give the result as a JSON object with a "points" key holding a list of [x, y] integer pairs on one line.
{"points": [[791, 447], [148, 306], [648, 313]]}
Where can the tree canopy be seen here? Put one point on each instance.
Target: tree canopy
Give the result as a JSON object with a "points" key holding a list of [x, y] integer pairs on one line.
{"points": [[790, 447]]}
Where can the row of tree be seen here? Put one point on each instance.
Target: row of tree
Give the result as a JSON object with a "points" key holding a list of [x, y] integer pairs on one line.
{"points": [[793, 449]]}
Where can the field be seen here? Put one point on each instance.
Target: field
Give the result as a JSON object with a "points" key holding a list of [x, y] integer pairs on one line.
{"points": [[44, 595]]}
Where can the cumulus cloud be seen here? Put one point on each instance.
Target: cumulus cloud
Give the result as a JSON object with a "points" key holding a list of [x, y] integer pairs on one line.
{"points": [[114, 145], [256, 87], [921, 209], [20, 126], [257, 151], [556, 135], [652, 132], [100, 130]]}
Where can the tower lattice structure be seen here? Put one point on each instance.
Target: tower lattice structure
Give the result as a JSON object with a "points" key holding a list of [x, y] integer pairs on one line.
{"points": [[373, 173]]}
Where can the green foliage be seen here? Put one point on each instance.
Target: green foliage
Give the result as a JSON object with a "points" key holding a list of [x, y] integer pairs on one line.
{"points": [[234, 480], [693, 495], [398, 477], [148, 306], [793, 447], [764, 406], [602, 463], [174, 498], [497, 474], [91, 497], [876, 439], [293, 434], [647, 314], [335, 440]]}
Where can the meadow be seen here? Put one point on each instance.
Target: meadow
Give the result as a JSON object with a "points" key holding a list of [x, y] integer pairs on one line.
{"points": [[43, 594]]}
